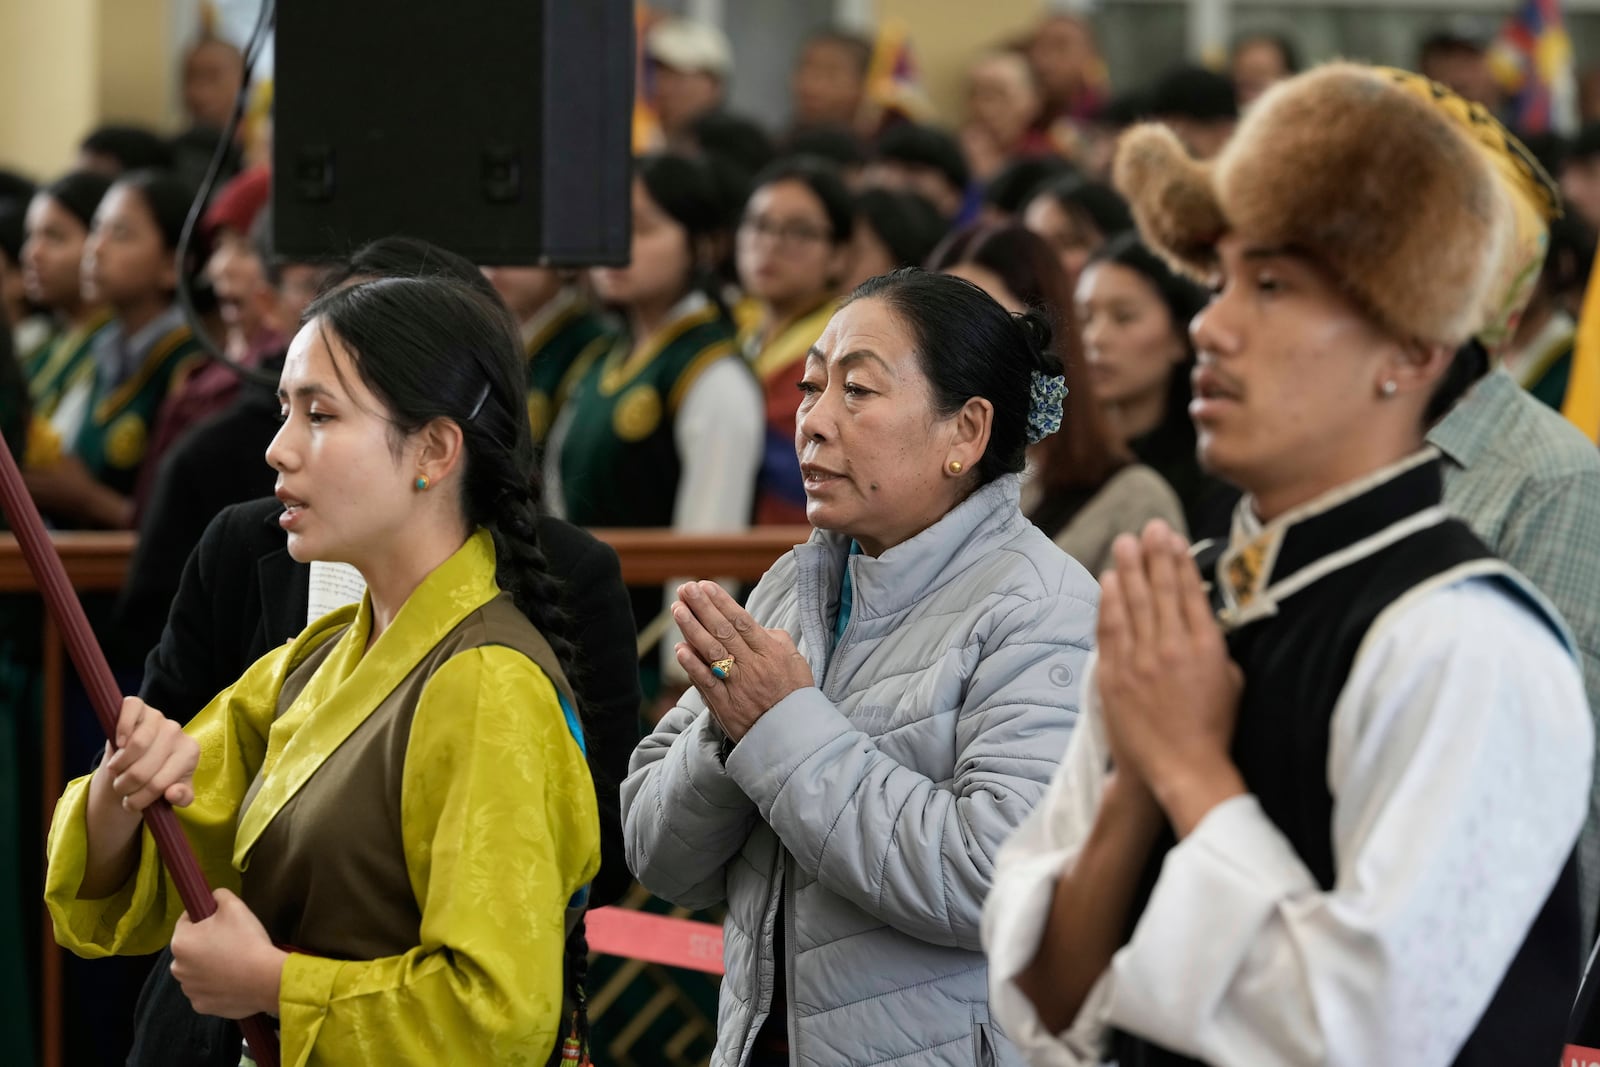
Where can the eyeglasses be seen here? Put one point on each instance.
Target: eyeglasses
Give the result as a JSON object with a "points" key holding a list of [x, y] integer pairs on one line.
{"points": [[790, 234]]}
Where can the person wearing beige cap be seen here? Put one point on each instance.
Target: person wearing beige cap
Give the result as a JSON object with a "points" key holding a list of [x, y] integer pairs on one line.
{"points": [[690, 63], [1321, 803]]}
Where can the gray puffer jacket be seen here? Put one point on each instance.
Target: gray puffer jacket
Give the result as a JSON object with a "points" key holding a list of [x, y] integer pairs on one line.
{"points": [[865, 814]]}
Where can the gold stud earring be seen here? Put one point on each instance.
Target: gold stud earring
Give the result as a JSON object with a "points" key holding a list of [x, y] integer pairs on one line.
{"points": [[955, 466], [422, 483]]}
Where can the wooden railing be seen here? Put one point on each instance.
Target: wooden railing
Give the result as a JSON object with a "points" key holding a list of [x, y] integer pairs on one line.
{"points": [[98, 563]]}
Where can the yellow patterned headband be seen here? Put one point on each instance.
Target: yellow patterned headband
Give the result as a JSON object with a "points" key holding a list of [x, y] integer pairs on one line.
{"points": [[1535, 199]]}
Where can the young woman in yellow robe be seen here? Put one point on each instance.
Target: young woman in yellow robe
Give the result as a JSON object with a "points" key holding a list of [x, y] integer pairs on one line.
{"points": [[394, 806]]}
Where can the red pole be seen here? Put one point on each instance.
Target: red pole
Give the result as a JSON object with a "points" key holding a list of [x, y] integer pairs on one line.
{"points": [[87, 656], [50, 957]]}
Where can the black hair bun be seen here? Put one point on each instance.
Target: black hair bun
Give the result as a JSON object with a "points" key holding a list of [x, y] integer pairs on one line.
{"points": [[1035, 327]]}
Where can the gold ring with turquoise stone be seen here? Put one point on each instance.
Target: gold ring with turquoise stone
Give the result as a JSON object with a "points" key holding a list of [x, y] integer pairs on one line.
{"points": [[721, 667]]}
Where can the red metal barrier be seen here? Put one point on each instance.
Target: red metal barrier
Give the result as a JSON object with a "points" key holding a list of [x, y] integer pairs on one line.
{"points": [[639, 935]]}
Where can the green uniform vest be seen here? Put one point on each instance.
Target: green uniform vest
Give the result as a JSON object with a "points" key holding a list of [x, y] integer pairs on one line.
{"points": [[551, 354], [619, 462], [116, 434], [61, 363]]}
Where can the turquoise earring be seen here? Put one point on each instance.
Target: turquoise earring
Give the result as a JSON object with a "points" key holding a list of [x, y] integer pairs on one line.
{"points": [[422, 483]]}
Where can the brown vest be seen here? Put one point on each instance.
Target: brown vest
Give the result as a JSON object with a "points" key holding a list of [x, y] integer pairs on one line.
{"points": [[328, 874]]}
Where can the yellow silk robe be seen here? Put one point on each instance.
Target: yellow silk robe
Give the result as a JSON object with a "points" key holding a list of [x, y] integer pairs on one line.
{"points": [[498, 820]]}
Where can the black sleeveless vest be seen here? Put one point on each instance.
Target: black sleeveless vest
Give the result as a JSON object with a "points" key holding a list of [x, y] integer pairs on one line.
{"points": [[1296, 617]]}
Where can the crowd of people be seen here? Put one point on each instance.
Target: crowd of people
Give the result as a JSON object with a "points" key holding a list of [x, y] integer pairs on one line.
{"points": [[1192, 658]]}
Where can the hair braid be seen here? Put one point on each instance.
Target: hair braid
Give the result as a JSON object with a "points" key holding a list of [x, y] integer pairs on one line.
{"points": [[524, 573]]}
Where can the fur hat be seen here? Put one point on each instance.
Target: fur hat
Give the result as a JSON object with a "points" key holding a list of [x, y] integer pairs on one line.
{"points": [[1388, 181]]}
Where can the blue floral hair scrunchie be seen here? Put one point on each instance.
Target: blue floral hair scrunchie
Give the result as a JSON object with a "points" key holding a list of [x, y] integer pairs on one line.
{"points": [[1044, 413]]}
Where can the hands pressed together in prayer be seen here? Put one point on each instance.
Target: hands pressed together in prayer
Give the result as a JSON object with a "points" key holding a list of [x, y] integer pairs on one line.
{"points": [[766, 666], [227, 963], [1169, 692]]}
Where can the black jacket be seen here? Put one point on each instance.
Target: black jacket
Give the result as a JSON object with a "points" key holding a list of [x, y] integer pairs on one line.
{"points": [[242, 595], [219, 462]]}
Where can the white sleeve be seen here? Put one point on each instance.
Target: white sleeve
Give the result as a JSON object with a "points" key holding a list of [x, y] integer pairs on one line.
{"points": [[1018, 906], [1459, 764], [554, 500], [719, 429]]}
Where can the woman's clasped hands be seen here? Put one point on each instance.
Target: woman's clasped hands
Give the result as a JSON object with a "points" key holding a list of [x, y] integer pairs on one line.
{"points": [[765, 665]]}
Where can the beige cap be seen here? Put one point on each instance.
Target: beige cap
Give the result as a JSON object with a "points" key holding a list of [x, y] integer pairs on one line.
{"points": [[689, 46]]}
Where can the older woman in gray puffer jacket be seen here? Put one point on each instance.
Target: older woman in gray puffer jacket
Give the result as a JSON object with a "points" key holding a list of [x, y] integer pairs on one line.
{"points": [[859, 743]]}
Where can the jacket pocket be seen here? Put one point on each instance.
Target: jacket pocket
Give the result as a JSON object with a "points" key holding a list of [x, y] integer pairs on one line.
{"points": [[982, 1041]]}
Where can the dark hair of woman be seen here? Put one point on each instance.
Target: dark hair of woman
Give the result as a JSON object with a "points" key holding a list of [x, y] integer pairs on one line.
{"points": [[13, 214], [1014, 186], [969, 346], [1569, 258], [451, 350], [167, 198], [1083, 455], [838, 144], [733, 138], [133, 147], [822, 178], [1089, 201], [732, 184], [909, 227], [16, 408], [80, 193], [14, 186], [1184, 300], [400, 256], [920, 145], [688, 192], [433, 348]]}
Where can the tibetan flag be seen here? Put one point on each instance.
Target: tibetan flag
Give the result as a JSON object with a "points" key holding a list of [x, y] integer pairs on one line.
{"points": [[647, 135], [894, 88], [1532, 61]]}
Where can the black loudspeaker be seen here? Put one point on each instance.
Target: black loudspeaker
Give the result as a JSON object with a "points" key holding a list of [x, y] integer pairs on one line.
{"points": [[499, 129]]}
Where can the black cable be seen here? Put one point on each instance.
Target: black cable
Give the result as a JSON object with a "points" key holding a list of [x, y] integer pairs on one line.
{"points": [[252, 52]]}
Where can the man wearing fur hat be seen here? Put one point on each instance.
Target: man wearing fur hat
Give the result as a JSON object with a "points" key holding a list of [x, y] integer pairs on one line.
{"points": [[1322, 803]]}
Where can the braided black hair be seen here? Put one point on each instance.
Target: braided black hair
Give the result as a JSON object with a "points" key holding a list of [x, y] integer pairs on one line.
{"points": [[432, 348], [576, 964], [436, 346]]}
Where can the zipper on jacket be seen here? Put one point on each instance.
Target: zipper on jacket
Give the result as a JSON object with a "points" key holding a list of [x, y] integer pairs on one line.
{"points": [[759, 1020], [844, 638], [787, 904]]}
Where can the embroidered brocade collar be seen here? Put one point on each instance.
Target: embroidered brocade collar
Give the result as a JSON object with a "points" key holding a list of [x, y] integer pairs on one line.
{"points": [[1265, 564]]}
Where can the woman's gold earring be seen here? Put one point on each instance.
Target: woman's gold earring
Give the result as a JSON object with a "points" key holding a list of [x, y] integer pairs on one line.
{"points": [[955, 466]]}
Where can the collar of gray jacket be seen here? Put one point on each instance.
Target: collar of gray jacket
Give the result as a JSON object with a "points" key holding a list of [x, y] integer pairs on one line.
{"points": [[883, 585]]}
